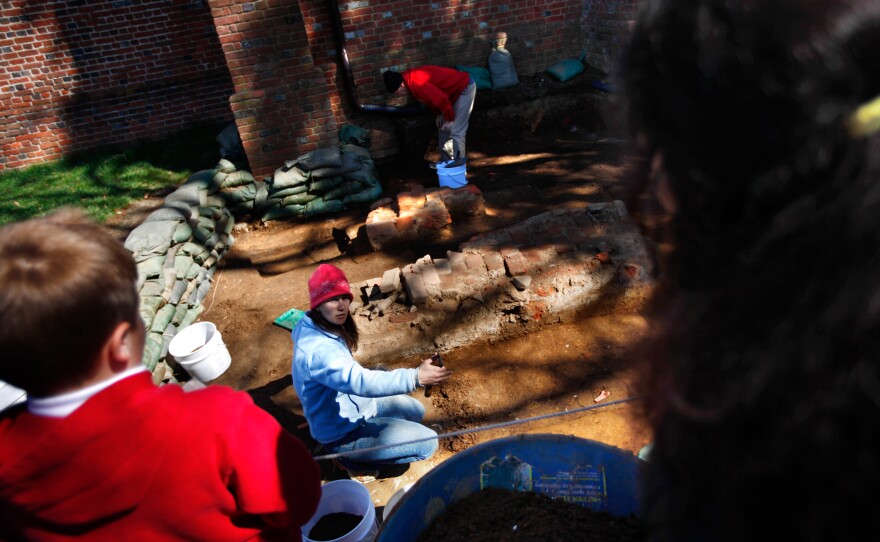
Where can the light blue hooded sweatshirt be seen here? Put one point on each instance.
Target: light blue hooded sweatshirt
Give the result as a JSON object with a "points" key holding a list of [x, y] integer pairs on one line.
{"points": [[335, 391]]}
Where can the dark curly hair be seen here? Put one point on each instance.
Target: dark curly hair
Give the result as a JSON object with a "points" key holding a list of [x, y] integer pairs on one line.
{"points": [[764, 386]]}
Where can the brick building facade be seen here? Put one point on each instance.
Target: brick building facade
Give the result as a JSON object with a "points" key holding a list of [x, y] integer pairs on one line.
{"points": [[76, 75]]}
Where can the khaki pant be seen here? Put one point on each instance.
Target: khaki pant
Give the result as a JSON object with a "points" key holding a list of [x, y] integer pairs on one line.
{"points": [[452, 143]]}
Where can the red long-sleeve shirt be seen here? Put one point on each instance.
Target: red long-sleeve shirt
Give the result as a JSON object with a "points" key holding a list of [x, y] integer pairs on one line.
{"points": [[140, 462], [437, 87]]}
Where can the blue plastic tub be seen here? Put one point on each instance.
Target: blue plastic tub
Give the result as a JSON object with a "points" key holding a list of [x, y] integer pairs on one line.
{"points": [[451, 177], [577, 470]]}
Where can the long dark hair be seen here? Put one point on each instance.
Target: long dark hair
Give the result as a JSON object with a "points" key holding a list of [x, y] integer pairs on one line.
{"points": [[348, 331], [766, 362]]}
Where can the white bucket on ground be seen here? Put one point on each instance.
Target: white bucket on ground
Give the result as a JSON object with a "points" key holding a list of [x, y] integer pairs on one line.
{"points": [[350, 497], [200, 350], [392, 502], [452, 177]]}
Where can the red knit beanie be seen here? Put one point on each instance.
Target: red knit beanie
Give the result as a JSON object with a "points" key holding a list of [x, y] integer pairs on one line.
{"points": [[327, 281]]}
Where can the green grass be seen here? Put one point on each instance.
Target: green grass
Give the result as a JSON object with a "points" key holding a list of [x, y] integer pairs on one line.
{"points": [[102, 182]]}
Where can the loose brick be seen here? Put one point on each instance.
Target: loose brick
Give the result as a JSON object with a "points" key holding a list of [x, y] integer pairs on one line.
{"points": [[415, 289], [430, 275], [390, 280]]}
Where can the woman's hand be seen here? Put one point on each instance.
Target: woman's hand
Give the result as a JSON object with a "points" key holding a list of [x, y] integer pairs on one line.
{"points": [[431, 374]]}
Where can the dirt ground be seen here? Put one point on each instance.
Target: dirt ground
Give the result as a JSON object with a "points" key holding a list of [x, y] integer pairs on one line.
{"points": [[529, 152]]}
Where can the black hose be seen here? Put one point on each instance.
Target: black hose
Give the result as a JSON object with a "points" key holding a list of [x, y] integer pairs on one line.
{"points": [[348, 78]]}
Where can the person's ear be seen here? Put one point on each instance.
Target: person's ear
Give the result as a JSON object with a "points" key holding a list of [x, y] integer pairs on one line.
{"points": [[119, 346]]}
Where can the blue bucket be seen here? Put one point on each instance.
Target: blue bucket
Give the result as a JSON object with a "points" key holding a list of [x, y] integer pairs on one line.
{"points": [[578, 470], [452, 177]]}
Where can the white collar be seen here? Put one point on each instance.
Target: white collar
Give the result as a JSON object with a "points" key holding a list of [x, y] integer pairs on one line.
{"points": [[61, 406]]}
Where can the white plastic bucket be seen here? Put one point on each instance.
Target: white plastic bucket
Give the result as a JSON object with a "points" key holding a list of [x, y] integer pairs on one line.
{"points": [[452, 177], [199, 349], [392, 502], [350, 497]]}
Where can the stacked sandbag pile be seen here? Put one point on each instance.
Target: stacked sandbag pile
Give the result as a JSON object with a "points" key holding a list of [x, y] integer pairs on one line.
{"points": [[325, 180], [176, 250]]}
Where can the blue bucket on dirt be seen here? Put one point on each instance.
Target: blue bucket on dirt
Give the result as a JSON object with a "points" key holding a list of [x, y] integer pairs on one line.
{"points": [[452, 177], [589, 473]]}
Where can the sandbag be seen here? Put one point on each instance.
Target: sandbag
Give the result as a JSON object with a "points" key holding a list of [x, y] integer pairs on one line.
{"points": [[319, 207], [366, 176], [175, 213], [150, 268], [568, 68], [289, 191], [237, 178], [150, 239], [297, 199], [324, 185], [501, 69], [288, 177], [192, 194], [162, 319], [203, 179], [225, 166], [346, 188], [354, 135], [481, 76], [239, 194], [349, 163], [370, 194], [277, 213], [319, 158], [360, 152], [182, 233]]}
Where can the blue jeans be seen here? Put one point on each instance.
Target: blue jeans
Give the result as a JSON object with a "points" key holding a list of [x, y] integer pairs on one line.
{"points": [[397, 420]]}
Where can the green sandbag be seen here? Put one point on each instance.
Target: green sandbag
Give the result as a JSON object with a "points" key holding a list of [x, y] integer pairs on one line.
{"points": [[193, 271], [319, 207], [568, 68], [207, 223], [285, 177], [162, 319], [366, 176], [356, 135], [293, 190], [182, 233], [277, 213], [152, 350], [355, 150], [239, 194], [190, 249], [213, 213], [367, 195], [324, 185], [346, 188], [225, 166], [150, 239], [204, 179], [201, 234], [350, 163], [215, 201], [237, 178], [182, 263], [151, 288], [480, 76], [151, 268], [191, 316], [298, 199], [179, 313], [318, 158]]}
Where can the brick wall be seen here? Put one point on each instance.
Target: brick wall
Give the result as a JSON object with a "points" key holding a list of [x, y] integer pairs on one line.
{"points": [[607, 24], [83, 74], [289, 93]]}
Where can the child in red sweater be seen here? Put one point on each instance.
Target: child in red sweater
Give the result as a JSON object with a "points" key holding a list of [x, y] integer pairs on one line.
{"points": [[100, 452], [450, 95]]}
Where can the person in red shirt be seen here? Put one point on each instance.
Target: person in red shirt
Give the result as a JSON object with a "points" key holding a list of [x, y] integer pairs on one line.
{"points": [[450, 95], [98, 451]]}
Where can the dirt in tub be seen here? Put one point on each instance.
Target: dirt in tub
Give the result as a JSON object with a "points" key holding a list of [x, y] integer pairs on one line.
{"points": [[494, 514], [333, 526]]}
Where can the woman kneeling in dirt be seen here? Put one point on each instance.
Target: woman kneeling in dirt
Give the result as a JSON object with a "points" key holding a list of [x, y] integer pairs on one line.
{"points": [[347, 406]]}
